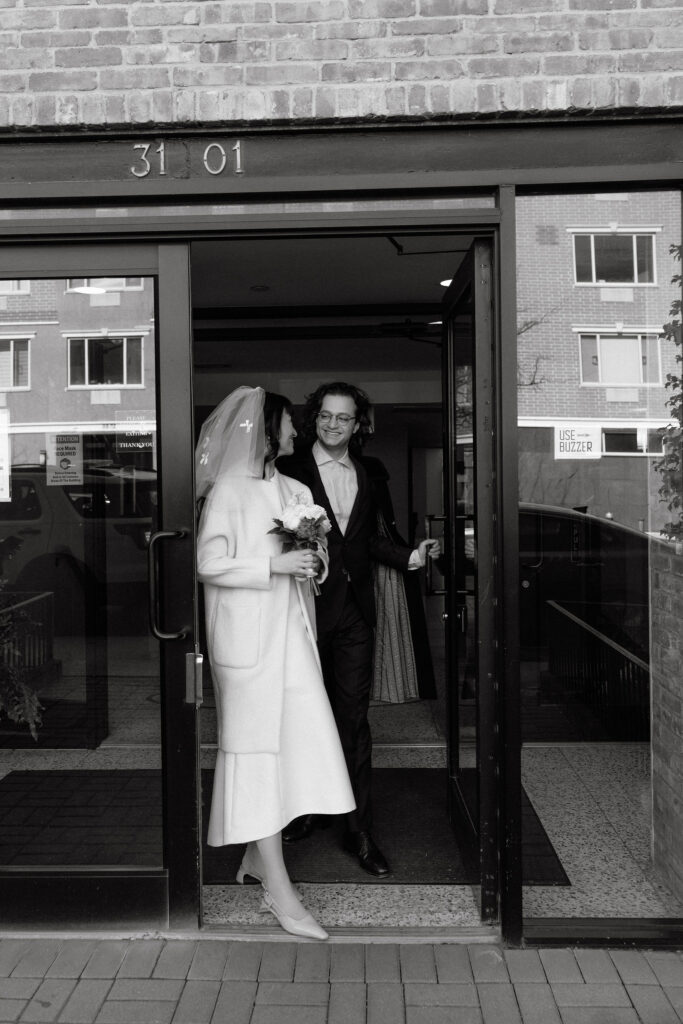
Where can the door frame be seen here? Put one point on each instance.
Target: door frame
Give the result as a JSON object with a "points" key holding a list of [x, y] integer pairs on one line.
{"points": [[182, 843], [166, 896]]}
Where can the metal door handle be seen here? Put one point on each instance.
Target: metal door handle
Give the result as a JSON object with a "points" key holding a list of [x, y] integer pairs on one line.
{"points": [[152, 584], [194, 682], [429, 579]]}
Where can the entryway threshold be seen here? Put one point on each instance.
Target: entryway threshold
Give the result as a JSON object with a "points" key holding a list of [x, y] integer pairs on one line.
{"points": [[354, 909], [363, 936]]}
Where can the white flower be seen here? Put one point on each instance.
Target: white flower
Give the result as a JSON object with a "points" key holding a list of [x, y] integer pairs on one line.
{"points": [[292, 516]]}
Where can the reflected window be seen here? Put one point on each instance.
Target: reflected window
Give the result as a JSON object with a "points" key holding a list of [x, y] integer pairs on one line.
{"points": [[614, 359], [636, 441], [620, 258], [95, 285], [105, 362], [14, 364], [15, 287]]}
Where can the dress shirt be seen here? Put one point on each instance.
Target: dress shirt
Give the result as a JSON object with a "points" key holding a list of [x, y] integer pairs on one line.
{"points": [[340, 482], [341, 485]]}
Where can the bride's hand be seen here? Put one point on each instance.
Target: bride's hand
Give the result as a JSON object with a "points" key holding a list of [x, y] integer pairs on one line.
{"points": [[299, 562]]}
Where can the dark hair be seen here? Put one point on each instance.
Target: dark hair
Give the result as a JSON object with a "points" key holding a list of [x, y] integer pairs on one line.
{"points": [[315, 400], [275, 405]]}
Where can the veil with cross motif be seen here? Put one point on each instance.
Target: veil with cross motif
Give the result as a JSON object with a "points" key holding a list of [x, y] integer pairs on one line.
{"points": [[232, 441]]}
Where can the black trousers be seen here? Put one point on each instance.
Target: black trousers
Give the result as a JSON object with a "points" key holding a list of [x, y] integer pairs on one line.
{"points": [[346, 657]]}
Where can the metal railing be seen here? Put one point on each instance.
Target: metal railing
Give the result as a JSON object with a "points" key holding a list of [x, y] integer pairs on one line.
{"points": [[613, 682], [31, 633]]}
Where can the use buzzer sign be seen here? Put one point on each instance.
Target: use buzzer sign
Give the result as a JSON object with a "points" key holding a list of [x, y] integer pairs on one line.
{"points": [[578, 441]]}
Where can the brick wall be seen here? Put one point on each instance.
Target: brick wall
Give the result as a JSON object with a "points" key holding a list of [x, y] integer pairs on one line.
{"points": [[667, 717], [549, 299], [107, 62]]}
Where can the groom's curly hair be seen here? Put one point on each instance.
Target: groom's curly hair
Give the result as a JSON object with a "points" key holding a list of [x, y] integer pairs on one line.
{"points": [[360, 399]]}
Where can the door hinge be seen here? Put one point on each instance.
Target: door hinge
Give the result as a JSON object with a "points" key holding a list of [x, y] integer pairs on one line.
{"points": [[194, 682]]}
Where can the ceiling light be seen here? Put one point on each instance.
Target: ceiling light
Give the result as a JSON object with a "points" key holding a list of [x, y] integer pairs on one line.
{"points": [[445, 284], [89, 289], [435, 323]]}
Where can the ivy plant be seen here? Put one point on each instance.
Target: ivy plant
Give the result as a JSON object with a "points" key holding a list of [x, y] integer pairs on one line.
{"points": [[670, 466]]}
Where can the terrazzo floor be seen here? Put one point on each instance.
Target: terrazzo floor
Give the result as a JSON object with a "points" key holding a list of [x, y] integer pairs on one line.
{"points": [[594, 802]]}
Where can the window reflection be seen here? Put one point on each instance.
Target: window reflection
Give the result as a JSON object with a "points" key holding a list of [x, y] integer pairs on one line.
{"points": [[78, 500], [599, 565]]}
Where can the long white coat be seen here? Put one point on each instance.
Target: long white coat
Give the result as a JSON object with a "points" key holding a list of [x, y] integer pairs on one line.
{"points": [[246, 608]]}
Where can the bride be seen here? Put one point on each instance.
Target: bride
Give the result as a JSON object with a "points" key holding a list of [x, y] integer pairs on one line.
{"points": [[279, 754]]}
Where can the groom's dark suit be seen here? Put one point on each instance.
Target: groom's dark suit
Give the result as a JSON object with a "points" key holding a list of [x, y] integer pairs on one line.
{"points": [[345, 613]]}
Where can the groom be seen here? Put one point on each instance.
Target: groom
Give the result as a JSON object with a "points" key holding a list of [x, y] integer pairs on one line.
{"points": [[337, 420]]}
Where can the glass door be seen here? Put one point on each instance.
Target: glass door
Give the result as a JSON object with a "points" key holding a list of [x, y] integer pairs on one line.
{"points": [[97, 706], [470, 609]]}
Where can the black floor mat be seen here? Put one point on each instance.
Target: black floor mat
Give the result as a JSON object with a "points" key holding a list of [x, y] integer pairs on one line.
{"points": [[410, 825], [114, 817]]}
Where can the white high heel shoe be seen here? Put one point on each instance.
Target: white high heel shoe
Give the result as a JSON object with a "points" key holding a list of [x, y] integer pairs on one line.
{"points": [[245, 871], [306, 926]]}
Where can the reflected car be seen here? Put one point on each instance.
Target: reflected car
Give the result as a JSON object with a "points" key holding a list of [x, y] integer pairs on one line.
{"points": [[596, 567], [83, 542]]}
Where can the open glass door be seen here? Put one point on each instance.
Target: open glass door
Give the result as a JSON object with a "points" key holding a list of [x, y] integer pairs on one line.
{"points": [[98, 790], [470, 565]]}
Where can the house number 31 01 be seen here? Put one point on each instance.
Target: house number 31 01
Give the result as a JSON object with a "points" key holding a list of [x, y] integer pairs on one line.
{"points": [[216, 159]]}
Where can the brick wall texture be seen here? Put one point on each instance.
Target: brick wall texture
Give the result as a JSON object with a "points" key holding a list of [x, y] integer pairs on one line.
{"points": [[139, 62]]}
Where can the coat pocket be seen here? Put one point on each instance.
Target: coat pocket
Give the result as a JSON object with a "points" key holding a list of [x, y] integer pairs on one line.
{"points": [[236, 634]]}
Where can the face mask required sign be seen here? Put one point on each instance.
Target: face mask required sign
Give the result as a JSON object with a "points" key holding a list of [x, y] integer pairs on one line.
{"points": [[578, 441], [64, 459]]}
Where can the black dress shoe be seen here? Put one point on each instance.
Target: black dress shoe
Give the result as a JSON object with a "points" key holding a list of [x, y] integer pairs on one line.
{"points": [[301, 828], [298, 828], [370, 857]]}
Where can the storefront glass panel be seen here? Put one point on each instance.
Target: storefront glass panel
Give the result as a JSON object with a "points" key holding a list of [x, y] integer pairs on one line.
{"points": [[80, 783], [601, 569]]}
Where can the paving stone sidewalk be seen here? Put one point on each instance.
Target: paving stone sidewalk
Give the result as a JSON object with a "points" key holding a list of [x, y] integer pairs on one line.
{"points": [[188, 981]]}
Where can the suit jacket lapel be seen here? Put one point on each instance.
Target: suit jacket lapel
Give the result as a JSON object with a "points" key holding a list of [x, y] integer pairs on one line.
{"points": [[361, 496]]}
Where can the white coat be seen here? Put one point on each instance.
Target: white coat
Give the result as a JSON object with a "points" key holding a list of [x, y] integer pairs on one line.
{"points": [[246, 608]]}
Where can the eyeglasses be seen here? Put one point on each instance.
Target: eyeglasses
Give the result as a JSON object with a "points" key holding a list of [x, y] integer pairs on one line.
{"points": [[342, 419]]}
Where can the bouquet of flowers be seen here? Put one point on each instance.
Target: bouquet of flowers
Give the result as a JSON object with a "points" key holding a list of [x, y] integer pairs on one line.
{"points": [[303, 525]]}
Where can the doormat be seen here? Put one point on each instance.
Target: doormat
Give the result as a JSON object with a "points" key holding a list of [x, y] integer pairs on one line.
{"points": [[411, 828], [113, 817]]}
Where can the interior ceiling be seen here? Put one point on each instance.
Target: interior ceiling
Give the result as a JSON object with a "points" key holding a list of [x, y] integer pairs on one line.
{"points": [[314, 303], [304, 272]]}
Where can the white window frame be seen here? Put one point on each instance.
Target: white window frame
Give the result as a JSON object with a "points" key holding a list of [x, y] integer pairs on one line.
{"points": [[12, 338], [112, 286], [123, 336], [613, 229], [640, 454], [616, 332], [15, 287]]}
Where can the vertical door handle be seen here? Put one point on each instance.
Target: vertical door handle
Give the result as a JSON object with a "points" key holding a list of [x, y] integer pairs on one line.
{"points": [[429, 579], [194, 682], [152, 583]]}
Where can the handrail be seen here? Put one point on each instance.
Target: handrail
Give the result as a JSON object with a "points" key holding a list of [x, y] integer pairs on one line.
{"points": [[601, 636], [35, 597]]}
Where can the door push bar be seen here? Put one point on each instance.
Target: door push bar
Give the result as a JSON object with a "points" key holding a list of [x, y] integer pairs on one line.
{"points": [[429, 580], [152, 584]]}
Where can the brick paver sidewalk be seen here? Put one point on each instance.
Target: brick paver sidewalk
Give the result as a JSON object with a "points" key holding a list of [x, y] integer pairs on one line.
{"points": [[187, 981]]}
